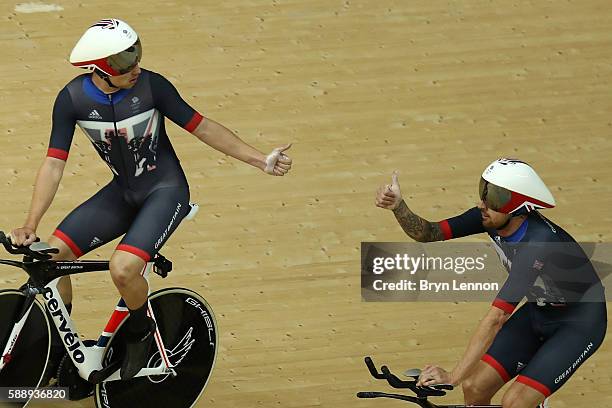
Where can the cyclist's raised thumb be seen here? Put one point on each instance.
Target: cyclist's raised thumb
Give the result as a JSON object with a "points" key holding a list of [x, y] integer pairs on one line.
{"points": [[394, 179], [283, 148]]}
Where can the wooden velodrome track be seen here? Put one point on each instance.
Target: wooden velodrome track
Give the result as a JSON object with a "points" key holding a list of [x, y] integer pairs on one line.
{"points": [[435, 89]]}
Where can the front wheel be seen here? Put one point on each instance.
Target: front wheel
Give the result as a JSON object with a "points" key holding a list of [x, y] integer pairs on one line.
{"points": [[189, 332], [26, 363]]}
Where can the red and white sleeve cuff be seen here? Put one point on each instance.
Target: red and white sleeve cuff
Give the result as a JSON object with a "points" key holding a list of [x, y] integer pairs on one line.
{"points": [[503, 305], [194, 122], [57, 153]]}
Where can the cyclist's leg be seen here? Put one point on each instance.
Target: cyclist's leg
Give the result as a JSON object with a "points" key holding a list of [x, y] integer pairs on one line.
{"points": [[125, 269], [512, 348], [522, 396], [160, 214], [98, 220], [64, 285], [481, 385], [158, 217], [570, 345]]}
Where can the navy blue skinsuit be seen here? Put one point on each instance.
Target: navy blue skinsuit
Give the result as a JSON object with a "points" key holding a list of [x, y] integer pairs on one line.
{"points": [[148, 195], [564, 319]]}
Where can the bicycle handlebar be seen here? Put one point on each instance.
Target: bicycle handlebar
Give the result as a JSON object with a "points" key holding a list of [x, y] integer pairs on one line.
{"points": [[376, 394], [41, 254], [421, 392], [372, 369], [395, 382]]}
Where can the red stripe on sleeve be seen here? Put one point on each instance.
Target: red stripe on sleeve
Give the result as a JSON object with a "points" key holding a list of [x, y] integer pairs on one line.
{"points": [[503, 305], [534, 384], [446, 229], [57, 153], [194, 122]]}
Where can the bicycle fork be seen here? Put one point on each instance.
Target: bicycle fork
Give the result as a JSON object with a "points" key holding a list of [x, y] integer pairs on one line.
{"points": [[23, 317]]}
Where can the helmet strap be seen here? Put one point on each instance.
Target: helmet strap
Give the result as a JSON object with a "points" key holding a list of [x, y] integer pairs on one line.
{"points": [[520, 211], [108, 81], [506, 223], [105, 77]]}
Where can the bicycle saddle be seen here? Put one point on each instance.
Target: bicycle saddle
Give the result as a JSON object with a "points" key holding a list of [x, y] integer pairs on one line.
{"points": [[193, 210]]}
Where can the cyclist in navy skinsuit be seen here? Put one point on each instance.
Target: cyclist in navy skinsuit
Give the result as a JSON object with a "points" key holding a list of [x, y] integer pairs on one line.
{"points": [[564, 320], [121, 108]]}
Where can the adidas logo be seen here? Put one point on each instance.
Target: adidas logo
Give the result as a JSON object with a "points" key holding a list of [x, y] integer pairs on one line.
{"points": [[519, 366], [95, 241], [94, 115]]}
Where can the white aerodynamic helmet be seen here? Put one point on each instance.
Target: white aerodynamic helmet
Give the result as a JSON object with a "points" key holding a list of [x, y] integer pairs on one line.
{"points": [[110, 46], [511, 186]]}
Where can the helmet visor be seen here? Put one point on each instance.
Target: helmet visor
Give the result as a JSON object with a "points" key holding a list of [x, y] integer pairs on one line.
{"points": [[126, 60], [494, 197]]}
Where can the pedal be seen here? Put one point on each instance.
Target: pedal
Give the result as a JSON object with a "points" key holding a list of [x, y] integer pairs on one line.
{"points": [[161, 265]]}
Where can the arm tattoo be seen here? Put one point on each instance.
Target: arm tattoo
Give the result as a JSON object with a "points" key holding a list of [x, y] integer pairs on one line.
{"points": [[416, 227]]}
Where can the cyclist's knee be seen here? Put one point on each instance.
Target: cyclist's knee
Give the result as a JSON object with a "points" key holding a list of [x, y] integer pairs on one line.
{"points": [[471, 386], [511, 400], [475, 391], [481, 385], [514, 399], [124, 268], [122, 275]]}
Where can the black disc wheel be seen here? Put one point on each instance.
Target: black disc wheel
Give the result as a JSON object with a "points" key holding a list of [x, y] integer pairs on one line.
{"points": [[189, 332], [26, 363]]}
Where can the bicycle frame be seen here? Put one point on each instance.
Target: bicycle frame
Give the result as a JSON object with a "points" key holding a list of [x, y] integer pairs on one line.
{"points": [[87, 359]]}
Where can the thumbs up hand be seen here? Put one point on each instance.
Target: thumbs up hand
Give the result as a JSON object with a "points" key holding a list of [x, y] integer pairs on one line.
{"points": [[389, 196], [277, 162]]}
